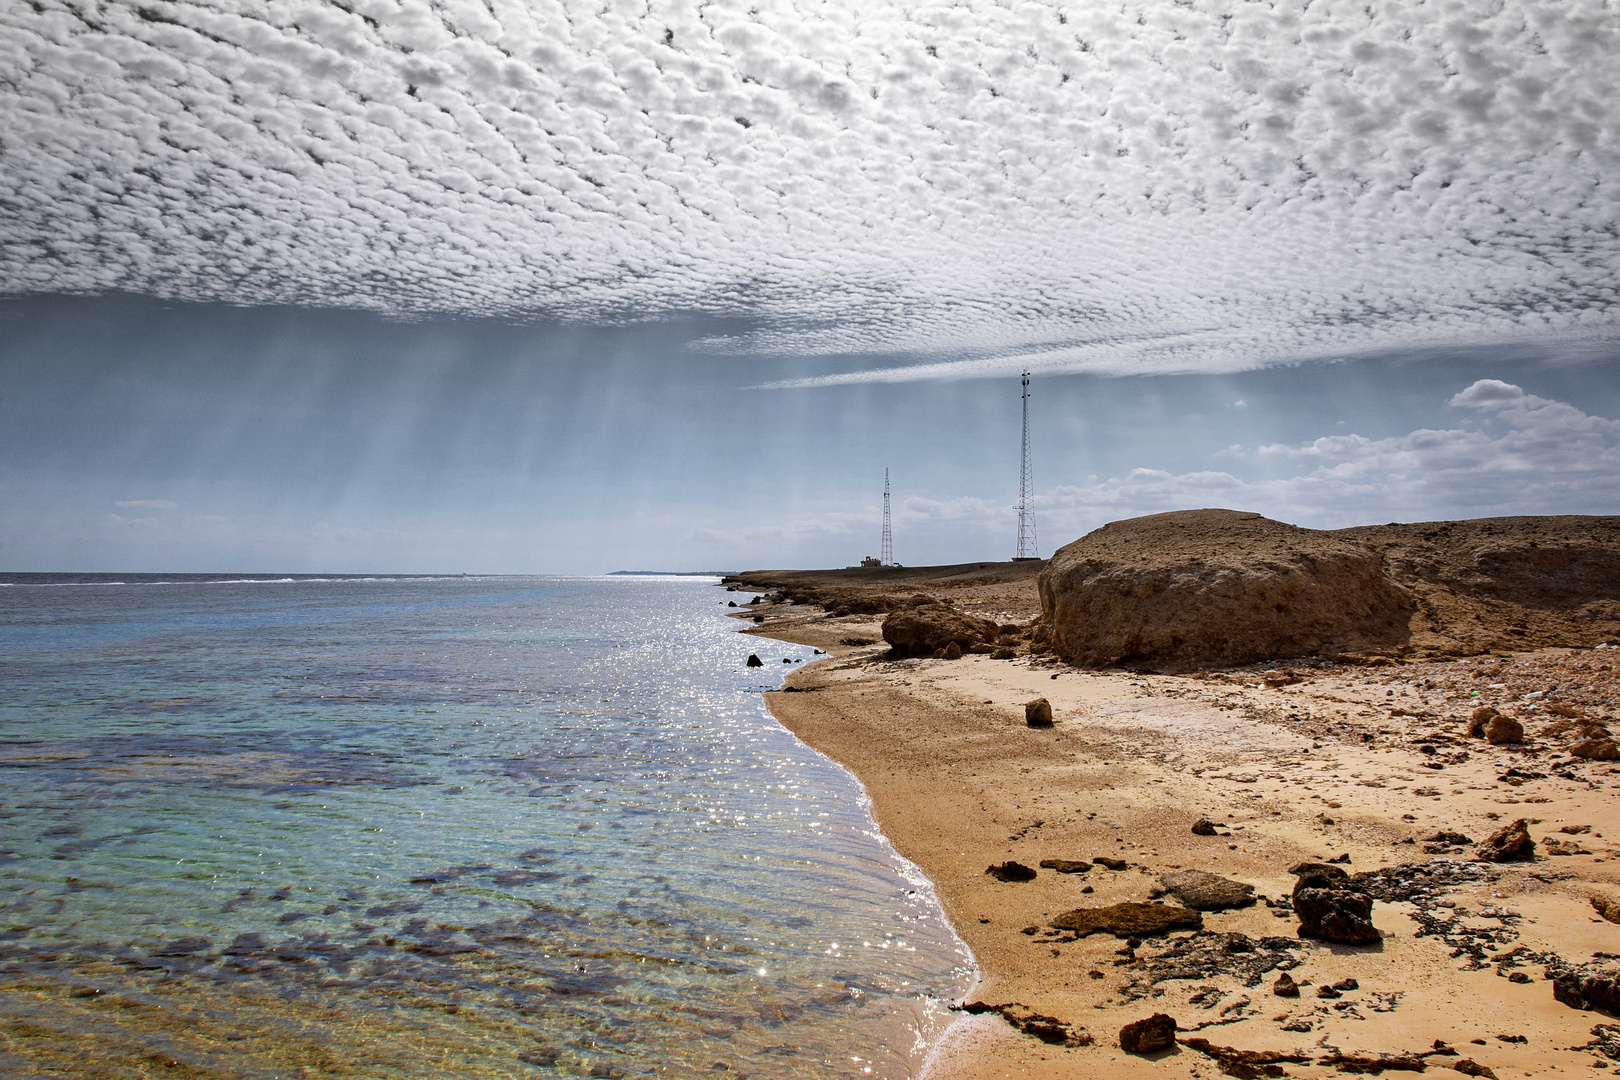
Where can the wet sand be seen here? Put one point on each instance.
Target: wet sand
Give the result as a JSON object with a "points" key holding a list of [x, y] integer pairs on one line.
{"points": [[1316, 764]]}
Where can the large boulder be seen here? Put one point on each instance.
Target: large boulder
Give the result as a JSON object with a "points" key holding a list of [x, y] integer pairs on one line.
{"points": [[1215, 587], [925, 625], [1329, 907]]}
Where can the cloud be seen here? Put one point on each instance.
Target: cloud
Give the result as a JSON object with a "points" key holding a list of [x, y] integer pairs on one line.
{"points": [[1168, 185], [146, 504], [1546, 457]]}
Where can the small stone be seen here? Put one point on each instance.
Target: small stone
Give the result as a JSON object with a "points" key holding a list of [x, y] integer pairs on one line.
{"points": [[1518, 977], [1157, 1032], [1285, 986], [1038, 713], [1011, 871], [1470, 1067], [1503, 729], [951, 651], [1326, 991], [1344, 986], [1447, 836], [1477, 721], [1112, 864], [1203, 827], [755, 661], [1511, 843]]}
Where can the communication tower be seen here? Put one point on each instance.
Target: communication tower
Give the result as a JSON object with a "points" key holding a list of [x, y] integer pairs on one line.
{"points": [[887, 555], [1028, 547]]}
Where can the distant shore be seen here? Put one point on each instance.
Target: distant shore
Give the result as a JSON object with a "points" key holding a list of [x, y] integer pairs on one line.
{"points": [[1291, 763]]}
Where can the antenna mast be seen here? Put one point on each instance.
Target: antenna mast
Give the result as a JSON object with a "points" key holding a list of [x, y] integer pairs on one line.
{"points": [[887, 555], [1028, 547]]}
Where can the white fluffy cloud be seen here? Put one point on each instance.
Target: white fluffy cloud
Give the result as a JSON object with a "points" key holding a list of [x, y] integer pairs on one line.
{"points": [[1148, 185], [1524, 455]]}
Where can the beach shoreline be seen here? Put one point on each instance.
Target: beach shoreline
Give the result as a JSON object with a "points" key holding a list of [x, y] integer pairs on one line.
{"points": [[1328, 760]]}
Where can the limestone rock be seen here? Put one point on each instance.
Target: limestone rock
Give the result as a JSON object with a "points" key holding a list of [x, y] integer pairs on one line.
{"points": [[1201, 587], [924, 625], [1157, 1032], [1583, 990], [1511, 843], [1038, 713], [1011, 871], [1329, 909], [1596, 749], [1066, 866], [1503, 729], [1207, 892], [1128, 920]]}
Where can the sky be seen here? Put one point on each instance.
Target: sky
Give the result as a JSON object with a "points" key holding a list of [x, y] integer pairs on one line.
{"points": [[554, 287]]}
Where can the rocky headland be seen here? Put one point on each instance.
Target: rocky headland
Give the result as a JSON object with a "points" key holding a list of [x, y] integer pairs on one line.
{"points": [[1209, 794]]}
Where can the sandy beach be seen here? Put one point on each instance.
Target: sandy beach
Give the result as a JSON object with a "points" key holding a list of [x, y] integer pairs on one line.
{"points": [[1289, 763]]}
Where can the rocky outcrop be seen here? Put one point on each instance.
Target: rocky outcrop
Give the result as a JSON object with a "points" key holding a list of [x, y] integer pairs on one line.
{"points": [[1129, 920], [1207, 892], [1330, 908], [1215, 587], [1157, 1032], [1511, 843], [924, 626]]}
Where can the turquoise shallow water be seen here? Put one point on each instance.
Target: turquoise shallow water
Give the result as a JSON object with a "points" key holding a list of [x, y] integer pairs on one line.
{"points": [[428, 827]]}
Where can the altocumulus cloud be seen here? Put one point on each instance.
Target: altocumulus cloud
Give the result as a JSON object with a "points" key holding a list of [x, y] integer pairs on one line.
{"points": [[1137, 186], [1526, 454]]}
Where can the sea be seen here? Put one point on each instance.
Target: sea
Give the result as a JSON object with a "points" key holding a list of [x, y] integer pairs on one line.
{"points": [[293, 826]]}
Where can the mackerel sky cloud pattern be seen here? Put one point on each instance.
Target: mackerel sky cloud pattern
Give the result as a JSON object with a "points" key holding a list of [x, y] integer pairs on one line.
{"points": [[957, 189]]}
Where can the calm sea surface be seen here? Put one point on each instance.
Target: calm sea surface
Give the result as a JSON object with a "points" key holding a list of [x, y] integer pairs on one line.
{"points": [[420, 827]]}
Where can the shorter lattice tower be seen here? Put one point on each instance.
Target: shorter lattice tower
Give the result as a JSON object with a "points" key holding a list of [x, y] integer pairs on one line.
{"points": [[887, 555], [1028, 546]]}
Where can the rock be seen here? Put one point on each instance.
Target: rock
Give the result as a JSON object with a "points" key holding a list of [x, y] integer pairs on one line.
{"points": [[1329, 909], [1511, 843], [1607, 907], [1207, 892], [1584, 990], [1203, 827], [1038, 713], [1157, 1032], [1004, 652], [755, 661], [1128, 920], [924, 625], [1470, 1067], [1066, 866], [1011, 871], [951, 651], [1200, 587], [1478, 719], [1112, 864], [1326, 991], [1553, 846], [1447, 836], [1048, 1029], [1245, 1064], [1596, 749], [1503, 729], [1285, 986]]}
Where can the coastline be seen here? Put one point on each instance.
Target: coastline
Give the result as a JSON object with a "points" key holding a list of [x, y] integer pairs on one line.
{"points": [[1320, 765]]}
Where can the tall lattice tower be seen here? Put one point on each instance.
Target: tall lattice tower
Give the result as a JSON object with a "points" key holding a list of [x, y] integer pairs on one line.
{"points": [[887, 556], [1028, 546]]}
